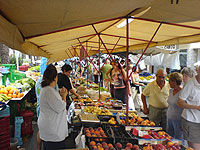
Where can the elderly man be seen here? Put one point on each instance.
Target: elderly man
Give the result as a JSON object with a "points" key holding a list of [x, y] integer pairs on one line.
{"points": [[158, 92]]}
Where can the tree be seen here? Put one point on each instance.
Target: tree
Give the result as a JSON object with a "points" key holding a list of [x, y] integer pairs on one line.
{"points": [[4, 54]]}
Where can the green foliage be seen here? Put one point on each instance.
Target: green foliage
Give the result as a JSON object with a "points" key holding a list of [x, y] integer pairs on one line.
{"points": [[13, 60]]}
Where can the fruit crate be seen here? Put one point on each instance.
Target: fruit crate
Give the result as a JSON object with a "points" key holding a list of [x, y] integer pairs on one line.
{"points": [[5, 133], [130, 143], [27, 124], [163, 145], [92, 144], [95, 133], [23, 68], [5, 111], [5, 125], [150, 136], [105, 119], [116, 131]]}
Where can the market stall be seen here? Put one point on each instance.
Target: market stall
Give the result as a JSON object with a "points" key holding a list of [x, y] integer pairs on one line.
{"points": [[74, 37]]}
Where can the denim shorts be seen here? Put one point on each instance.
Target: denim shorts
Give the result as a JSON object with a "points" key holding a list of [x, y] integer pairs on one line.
{"points": [[191, 131]]}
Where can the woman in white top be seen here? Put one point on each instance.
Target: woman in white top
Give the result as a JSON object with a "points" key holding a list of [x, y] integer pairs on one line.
{"points": [[189, 99], [52, 121], [136, 84]]}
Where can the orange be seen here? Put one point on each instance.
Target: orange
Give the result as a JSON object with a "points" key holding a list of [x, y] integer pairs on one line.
{"points": [[9, 95], [11, 91], [92, 143], [5, 92], [14, 96], [18, 96], [21, 94], [8, 88]]}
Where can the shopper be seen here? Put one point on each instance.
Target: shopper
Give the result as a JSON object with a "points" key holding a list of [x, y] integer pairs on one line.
{"points": [[173, 111], [118, 81], [52, 121], [187, 74], [157, 92], [38, 89], [104, 70], [134, 82], [189, 99], [64, 81], [79, 70]]}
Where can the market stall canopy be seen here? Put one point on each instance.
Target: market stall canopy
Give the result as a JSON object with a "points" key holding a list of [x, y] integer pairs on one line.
{"points": [[57, 29]]}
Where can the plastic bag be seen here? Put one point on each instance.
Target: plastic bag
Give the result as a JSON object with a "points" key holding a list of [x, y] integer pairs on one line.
{"points": [[131, 103]]}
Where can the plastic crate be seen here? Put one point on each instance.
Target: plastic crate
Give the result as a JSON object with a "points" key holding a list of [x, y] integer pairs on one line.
{"points": [[5, 112], [23, 68], [11, 67], [93, 136], [4, 70], [18, 76], [5, 133], [4, 78], [5, 126], [109, 141], [27, 124], [5, 146]]}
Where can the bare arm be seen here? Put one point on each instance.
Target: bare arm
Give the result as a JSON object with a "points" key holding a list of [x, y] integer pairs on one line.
{"points": [[145, 109], [124, 74], [136, 83], [181, 103], [73, 92]]}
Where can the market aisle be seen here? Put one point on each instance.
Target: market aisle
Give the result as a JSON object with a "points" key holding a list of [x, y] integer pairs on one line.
{"points": [[31, 142]]}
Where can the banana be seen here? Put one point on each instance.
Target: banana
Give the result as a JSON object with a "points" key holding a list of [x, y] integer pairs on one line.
{"points": [[4, 97]]}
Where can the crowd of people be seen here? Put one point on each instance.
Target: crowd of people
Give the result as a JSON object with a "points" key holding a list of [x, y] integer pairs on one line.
{"points": [[174, 105]]}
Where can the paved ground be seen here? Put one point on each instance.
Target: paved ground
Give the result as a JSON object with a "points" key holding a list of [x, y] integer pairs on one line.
{"points": [[30, 142]]}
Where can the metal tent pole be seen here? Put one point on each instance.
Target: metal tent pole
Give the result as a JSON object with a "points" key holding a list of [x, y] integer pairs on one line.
{"points": [[87, 63], [127, 68], [99, 78], [145, 48]]}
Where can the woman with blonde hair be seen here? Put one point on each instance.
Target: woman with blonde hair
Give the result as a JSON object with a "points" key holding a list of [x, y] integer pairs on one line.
{"points": [[173, 111]]}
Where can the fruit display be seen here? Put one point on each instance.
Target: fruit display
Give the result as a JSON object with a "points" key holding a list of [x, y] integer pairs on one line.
{"points": [[9, 92], [97, 111], [112, 121], [101, 89], [23, 84], [33, 75], [4, 98], [134, 121], [145, 75], [165, 145], [131, 114], [127, 146], [95, 132], [150, 134], [82, 100], [88, 118], [101, 146], [117, 131]]}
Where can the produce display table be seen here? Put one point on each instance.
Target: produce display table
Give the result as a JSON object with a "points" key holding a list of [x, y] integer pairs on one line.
{"points": [[13, 103]]}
